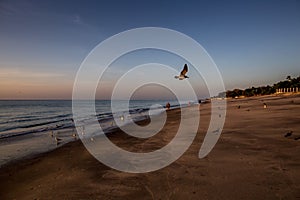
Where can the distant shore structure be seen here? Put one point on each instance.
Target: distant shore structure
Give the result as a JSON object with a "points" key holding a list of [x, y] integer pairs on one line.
{"points": [[288, 86], [286, 90]]}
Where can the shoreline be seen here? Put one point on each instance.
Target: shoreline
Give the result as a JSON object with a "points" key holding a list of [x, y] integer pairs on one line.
{"points": [[32, 143], [252, 160]]}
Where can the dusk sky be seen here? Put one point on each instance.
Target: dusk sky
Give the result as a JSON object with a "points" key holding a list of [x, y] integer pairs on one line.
{"points": [[43, 43]]}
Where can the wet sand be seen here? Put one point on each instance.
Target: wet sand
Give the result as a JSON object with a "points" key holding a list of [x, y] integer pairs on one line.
{"points": [[252, 160]]}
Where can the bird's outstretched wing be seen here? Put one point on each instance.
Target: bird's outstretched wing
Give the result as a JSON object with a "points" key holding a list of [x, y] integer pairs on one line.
{"points": [[185, 70]]}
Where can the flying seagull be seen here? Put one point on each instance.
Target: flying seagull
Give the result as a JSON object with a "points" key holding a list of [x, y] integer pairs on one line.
{"points": [[183, 72]]}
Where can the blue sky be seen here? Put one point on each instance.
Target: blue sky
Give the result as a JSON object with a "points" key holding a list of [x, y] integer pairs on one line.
{"points": [[42, 43]]}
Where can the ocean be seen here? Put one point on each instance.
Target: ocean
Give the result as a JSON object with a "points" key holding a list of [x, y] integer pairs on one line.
{"points": [[27, 126]]}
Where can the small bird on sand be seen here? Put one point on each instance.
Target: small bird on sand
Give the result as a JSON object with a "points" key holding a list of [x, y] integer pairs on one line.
{"points": [[51, 134], [58, 140], [182, 73], [288, 134], [74, 135], [82, 130]]}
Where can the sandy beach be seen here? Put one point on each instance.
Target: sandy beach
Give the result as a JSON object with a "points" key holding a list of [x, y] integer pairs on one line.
{"points": [[252, 160]]}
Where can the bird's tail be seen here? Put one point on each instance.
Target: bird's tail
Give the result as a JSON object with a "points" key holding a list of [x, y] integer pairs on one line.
{"points": [[176, 76]]}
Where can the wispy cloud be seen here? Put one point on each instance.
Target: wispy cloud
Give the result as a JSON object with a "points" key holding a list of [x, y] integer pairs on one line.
{"points": [[37, 12], [11, 8], [16, 73], [76, 19], [7, 8]]}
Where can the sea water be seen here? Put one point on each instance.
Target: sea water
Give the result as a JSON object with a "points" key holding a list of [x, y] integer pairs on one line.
{"points": [[28, 127]]}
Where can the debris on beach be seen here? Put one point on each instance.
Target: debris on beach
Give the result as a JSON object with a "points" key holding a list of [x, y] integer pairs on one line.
{"points": [[265, 105], [168, 105], [288, 134]]}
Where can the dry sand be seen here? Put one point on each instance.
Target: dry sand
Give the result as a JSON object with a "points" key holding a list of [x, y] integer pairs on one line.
{"points": [[252, 160]]}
